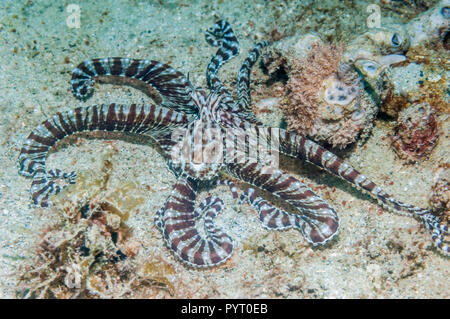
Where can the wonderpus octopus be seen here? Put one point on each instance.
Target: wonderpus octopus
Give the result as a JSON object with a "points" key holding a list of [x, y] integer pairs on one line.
{"points": [[191, 127]]}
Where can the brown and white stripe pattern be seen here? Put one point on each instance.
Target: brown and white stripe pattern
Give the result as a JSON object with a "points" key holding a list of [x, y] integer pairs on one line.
{"points": [[301, 147], [177, 221], [45, 184], [199, 152], [221, 35], [151, 120], [171, 84], [317, 221], [231, 185], [270, 216], [243, 105]]}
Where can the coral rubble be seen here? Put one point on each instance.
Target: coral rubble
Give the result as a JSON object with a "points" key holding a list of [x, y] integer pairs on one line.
{"points": [[397, 59], [325, 99], [416, 133], [89, 251], [432, 26]]}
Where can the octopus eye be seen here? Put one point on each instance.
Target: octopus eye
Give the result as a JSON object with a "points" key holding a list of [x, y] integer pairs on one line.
{"points": [[395, 40], [445, 11]]}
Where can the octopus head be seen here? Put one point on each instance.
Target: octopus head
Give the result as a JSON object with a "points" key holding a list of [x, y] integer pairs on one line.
{"points": [[200, 150], [208, 104]]}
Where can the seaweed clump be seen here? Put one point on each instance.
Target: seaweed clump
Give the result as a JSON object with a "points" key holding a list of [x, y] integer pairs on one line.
{"points": [[89, 251], [91, 255]]}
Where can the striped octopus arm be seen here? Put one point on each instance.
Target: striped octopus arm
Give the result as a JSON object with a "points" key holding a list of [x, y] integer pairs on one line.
{"points": [[317, 221], [222, 36], [173, 87], [150, 120], [298, 146], [178, 220], [243, 106]]}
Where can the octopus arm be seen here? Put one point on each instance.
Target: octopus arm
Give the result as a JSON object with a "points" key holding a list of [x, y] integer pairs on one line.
{"points": [[317, 221], [243, 104], [222, 36], [298, 146], [173, 89], [178, 222], [150, 120]]}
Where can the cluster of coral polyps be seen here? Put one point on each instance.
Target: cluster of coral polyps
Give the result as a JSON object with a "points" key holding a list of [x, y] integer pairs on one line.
{"points": [[416, 133], [325, 99]]}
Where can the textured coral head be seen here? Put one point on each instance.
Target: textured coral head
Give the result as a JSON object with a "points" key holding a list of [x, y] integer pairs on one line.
{"points": [[416, 133]]}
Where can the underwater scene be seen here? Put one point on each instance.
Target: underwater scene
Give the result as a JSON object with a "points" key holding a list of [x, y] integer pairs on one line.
{"points": [[224, 149]]}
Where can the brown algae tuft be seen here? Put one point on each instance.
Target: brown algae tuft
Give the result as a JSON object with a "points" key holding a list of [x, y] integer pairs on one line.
{"points": [[89, 251]]}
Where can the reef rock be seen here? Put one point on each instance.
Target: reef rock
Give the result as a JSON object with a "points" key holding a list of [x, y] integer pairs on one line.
{"points": [[379, 55], [431, 25], [377, 43], [325, 99], [373, 53], [281, 56], [416, 133]]}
